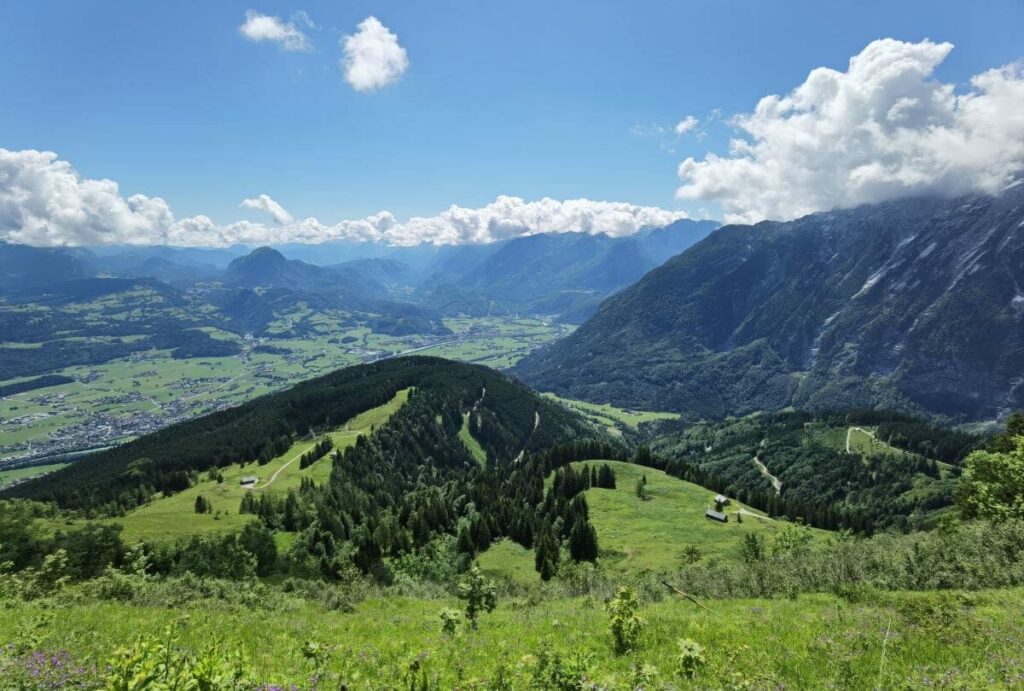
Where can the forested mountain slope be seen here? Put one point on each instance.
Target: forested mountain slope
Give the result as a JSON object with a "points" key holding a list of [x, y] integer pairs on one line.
{"points": [[913, 304], [862, 470], [422, 441]]}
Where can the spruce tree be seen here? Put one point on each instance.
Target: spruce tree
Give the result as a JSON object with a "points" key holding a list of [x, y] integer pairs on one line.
{"points": [[583, 541], [465, 543], [547, 552]]}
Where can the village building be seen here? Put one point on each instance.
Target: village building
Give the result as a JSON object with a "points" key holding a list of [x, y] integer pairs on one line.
{"points": [[713, 515]]}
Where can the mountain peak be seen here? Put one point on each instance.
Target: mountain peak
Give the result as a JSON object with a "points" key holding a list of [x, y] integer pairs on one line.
{"points": [[262, 266]]}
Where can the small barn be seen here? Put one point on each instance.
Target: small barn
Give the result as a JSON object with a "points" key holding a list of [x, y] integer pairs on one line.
{"points": [[249, 480], [713, 515], [721, 499]]}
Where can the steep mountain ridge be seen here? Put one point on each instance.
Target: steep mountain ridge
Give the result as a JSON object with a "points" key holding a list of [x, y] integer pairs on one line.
{"points": [[913, 304]]}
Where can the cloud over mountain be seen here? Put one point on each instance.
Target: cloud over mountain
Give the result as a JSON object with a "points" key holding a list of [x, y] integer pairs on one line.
{"points": [[44, 201], [884, 128], [266, 204]]}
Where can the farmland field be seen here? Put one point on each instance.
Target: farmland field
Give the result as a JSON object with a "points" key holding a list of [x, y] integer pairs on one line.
{"points": [[8, 476]]}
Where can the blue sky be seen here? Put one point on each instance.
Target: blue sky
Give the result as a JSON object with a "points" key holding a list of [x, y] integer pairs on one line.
{"points": [[529, 99]]}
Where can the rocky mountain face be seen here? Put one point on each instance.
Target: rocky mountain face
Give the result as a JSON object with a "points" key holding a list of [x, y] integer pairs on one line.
{"points": [[915, 304]]}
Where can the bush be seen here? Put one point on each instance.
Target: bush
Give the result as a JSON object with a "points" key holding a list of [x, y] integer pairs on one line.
{"points": [[626, 625], [691, 658], [33, 584], [161, 663], [479, 593], [554, 672], [449, 622], [642, 675]]}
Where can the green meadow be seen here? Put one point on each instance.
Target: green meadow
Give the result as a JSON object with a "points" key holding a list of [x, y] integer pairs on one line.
{"points": [[608, 415], [661, 532], [470, 441], [9, 476], [168, 518], [898, 641]]}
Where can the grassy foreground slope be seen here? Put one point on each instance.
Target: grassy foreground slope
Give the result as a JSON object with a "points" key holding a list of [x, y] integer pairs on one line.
{"points": [[654, 533], [902, 640], [168, 518]]}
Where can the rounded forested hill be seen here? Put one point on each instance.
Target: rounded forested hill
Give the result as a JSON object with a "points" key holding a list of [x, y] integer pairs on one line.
{"points": [[508, 420]]}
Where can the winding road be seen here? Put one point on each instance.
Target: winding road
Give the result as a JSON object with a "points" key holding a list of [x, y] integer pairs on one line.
{"points": [[536, 424], [776, 482], [859, 429]]}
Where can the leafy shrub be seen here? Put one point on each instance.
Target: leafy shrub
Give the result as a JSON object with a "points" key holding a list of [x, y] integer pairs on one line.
{"points": [[501, 679], [33, 584], [557, 673], [161, 663], [449, 621], [327, 596], [691, 658], [642, 676], [479, 593], [626, 625]]}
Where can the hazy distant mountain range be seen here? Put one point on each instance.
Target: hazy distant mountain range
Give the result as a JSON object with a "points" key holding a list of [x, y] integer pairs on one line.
{"points": [[914, 304], [565, 275]]}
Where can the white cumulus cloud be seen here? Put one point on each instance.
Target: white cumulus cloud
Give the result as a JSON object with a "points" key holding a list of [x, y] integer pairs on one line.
{"points": [[45, 202], [686, 124], [270, 207], [262, 27], [373, 58], [882, 129], [508, 217]]}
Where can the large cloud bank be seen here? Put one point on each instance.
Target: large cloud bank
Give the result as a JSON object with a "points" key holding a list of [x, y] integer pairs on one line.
{"points": [[44, 201], [882, 129]]}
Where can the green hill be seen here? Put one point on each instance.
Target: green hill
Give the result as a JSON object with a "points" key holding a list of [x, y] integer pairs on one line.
{"points": [[654, 533], [171, 517], [863, 470]]}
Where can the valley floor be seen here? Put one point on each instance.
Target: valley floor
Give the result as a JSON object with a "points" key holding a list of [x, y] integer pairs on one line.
{"points": [[116, 401], [900, 640]]}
